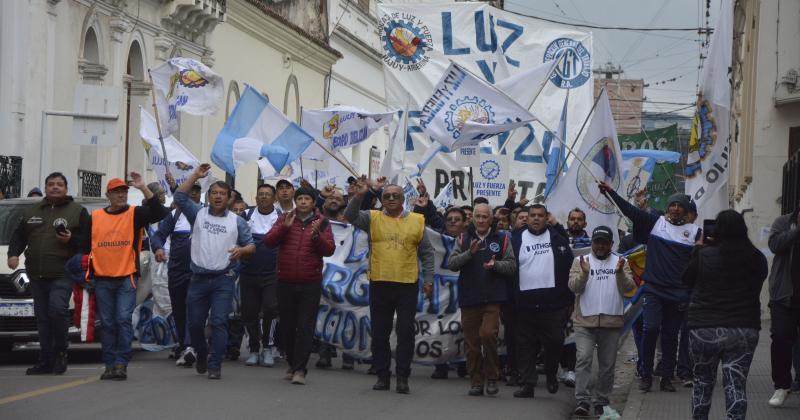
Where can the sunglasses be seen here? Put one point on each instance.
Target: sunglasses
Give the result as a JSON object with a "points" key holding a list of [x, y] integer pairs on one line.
{"points": [[392, 196]]}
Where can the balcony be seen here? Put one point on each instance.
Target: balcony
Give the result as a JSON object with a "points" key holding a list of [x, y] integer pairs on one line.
{"points": [[193, 18]]}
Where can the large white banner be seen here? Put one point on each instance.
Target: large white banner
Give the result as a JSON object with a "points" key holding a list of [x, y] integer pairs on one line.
{"points": [[420, 40], [344, 319]]}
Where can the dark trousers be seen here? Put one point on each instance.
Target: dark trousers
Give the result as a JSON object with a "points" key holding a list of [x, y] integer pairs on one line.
{"points": [[661, 316], [508, 315], [734, 347], [298, 305], [684, 360], [540, 327], [784, 331], [636, 330], [178, 286], [386, 299], [481, 324], [51, 308], [259, 297]]}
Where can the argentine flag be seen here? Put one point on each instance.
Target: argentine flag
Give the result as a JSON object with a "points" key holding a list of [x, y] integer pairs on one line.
{"points": [[256, 129], [556, 156]]}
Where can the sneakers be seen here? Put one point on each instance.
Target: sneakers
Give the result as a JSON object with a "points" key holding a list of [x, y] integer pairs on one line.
{"points": [[402, 385], [289, 374], [666, 385], [440, 372], [491, 387], [525, 392], [382, 384], [39, 369], [687, 382], [252, 360], [107, 374], [60, 364], [120, 373], [186, 358], [324, 362], [267, 358], [779, 397], [215, 374], [475, 391], [645, 384], [202, 364], [299, 378], [569, 379], [582, 410]]}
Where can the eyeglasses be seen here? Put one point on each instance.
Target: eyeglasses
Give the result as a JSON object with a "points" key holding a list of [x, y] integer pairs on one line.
{"points": [[392, 196]]}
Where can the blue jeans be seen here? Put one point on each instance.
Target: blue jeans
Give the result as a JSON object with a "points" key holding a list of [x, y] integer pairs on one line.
{"points": [[214, 293], [116, 299], [51, 307], [660, 316]]}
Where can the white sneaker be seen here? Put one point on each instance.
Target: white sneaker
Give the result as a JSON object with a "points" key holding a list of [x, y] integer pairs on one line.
{"points": [[267, 359], [779, 397], [252, 360], [569, 379]]}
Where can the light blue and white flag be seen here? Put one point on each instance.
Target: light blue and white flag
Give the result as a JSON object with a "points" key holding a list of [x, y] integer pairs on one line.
{"points": [[638, 166], [463, 110], [446, 198], [257, 129], [411, 195], [555, 155]]}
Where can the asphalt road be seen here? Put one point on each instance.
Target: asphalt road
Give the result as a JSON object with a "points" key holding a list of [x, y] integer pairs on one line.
{"points": [[157, 389]]}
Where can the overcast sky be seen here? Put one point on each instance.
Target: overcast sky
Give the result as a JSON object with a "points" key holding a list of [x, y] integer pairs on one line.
{"points": [[655, 57]]}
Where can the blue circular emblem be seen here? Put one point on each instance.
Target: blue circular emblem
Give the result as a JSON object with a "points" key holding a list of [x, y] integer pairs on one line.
{"points": [[490, 169], [406, 41], [468, 108], [494, 247], [574, 63], [702, 137]]}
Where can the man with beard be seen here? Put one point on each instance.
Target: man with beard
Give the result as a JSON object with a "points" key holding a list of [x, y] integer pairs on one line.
{"points": [[576, 225], [670, 240]]}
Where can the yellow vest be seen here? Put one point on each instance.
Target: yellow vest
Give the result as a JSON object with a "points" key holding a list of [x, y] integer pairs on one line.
{"points": [[394, 247]]}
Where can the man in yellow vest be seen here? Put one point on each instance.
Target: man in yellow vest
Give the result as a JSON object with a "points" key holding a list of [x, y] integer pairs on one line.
{"points": [[397, 243], [114, 243]]}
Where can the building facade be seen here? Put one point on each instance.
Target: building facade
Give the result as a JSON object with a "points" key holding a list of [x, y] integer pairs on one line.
{"points": [[766, 107], [48, 47]]}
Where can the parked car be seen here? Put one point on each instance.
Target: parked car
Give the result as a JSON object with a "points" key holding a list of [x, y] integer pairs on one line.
{"points": [[17, 321]]}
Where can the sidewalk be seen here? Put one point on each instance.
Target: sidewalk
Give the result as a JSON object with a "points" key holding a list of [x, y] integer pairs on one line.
{"points": [[657, 405]]}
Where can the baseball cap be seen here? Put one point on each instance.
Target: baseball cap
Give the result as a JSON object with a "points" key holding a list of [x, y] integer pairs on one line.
{"points": [[283, 181], [115, 183], [681, 199], [351, 180], [602, 232]]}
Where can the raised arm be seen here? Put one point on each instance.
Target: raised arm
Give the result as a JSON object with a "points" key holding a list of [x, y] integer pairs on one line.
{"points": [[353, 213]]}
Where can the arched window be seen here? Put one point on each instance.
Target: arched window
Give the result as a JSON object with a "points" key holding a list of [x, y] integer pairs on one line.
{"points": [[135, 68], [89, 63], [91, 52]]}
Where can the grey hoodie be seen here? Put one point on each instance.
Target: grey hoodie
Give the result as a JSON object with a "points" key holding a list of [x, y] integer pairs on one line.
{"points": [[783, 235]]}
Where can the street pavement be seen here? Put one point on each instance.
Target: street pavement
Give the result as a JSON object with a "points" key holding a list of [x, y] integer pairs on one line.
{"points": [[658, 405], [157, 389]]}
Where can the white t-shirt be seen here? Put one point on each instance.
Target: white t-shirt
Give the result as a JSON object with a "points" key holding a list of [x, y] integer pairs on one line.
{"points": [[260, 224], [212, 237], [601, 295], [536, 262]]}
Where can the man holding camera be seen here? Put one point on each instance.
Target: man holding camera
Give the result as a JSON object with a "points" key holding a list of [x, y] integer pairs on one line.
{"points": [[50, 233]]}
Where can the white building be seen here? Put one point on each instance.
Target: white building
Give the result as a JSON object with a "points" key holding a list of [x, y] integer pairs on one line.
{"points": [[47, 47], [766, 108]]}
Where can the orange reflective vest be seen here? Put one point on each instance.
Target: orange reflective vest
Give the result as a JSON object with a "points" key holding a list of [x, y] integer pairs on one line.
{"points": [[113, 253]]}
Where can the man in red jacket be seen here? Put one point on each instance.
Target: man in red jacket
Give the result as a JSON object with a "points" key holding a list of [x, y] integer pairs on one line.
{"points": [[302, 237]]}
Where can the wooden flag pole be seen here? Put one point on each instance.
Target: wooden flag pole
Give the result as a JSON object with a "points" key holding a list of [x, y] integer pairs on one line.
{"points": [[158, 124]]}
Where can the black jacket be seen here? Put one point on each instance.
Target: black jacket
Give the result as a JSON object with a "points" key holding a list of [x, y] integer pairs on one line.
{"points": [[555, 297], [477, 285], [726, 284]]}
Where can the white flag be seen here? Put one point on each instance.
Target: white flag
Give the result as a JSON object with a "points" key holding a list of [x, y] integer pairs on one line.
{"points": [[463, 110], [342, 127], [394, 160], [181, 161], [598, 159], [189, 86], [445, 198], [523, 87], [709, 144]]}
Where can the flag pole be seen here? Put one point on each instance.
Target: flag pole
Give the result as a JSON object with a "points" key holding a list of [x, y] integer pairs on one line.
{"points": [[585, 120], [346, 166], [158, 124], [300, 123]]}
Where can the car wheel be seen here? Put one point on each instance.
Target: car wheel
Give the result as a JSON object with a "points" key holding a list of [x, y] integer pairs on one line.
{"points": [[6, 346]]}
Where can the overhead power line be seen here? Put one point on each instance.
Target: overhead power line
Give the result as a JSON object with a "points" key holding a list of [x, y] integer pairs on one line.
{"points": [[614, 28]]}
